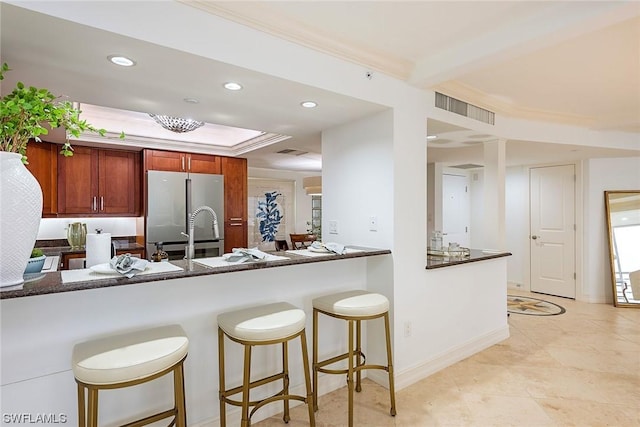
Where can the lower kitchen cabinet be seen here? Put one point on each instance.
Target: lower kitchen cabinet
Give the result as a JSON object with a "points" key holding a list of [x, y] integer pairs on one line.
{"points": [[99, 182], [43, 165]]}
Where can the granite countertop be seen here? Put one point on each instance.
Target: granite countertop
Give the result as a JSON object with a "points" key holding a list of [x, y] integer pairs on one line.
{"points": [[49, 283], [475, 255]]}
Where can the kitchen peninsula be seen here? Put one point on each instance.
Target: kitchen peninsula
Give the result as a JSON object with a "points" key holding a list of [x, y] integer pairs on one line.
{"points": [[42, 322]]}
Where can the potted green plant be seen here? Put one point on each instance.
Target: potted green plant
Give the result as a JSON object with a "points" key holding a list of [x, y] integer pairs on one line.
{"points": [[36, 262], [25, 111], [24, 114]]}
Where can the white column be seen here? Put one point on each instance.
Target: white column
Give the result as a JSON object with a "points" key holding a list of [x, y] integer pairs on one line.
{"points": [[494, 195]]}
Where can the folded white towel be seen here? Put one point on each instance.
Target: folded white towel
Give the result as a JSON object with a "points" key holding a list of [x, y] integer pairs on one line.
{"points": [[240, 255], [336, 248], [127, 265]]}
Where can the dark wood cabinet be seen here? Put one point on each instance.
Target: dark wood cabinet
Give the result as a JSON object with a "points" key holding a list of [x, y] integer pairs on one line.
{"points": [[175, 161], [235, 202], [43, 164], [99, 182]]}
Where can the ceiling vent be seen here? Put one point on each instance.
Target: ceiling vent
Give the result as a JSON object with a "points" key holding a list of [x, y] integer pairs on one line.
{"points": [[467, 166], [292, 152], [464, 109]]}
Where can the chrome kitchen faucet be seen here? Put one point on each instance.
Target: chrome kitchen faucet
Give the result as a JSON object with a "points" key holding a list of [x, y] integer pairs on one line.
{"points": [[192, 220]]}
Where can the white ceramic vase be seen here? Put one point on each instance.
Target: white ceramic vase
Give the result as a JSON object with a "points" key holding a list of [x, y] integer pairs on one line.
{"points": [[20, 213]]}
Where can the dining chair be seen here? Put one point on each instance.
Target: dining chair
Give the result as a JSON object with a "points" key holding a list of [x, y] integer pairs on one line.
{"points": [[302, 241]]}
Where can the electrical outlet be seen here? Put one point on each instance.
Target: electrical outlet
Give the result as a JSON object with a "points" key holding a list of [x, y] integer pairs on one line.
{"points": [[407, 329], [333, 227]]}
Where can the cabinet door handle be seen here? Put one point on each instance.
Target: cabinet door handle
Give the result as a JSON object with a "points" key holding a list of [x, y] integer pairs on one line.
{"points": [[235, 225], [235, 219], [101, 203], [182, 158], [189, 163], [94, 204]]}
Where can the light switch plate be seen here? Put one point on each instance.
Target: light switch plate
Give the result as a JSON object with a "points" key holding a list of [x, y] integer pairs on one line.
{"points": [[333, 227], [373, 223]]}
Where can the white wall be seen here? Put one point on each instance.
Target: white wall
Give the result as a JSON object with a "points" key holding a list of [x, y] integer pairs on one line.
{"points": [[601, 175], [476, 188], [358, 181], [517, 223]]}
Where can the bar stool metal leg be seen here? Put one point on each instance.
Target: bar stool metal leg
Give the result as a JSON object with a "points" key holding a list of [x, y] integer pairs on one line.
{"points": [[359, 361], [223, 413], [392, 392], [350, 372], [307, 379], [285, 381], [93, 407], [82, 418], [178, 386], [315, 359], [245, 386]]}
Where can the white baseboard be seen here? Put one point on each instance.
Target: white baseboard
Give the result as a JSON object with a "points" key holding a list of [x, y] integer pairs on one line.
{"points": [[516, 285], [414, 374], [329, 383]]}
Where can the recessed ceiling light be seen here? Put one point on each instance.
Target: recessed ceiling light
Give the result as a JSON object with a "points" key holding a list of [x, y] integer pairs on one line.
{"points": [[121, 60], [191, 101], [232, 86], [309, 104], [432, 136]]}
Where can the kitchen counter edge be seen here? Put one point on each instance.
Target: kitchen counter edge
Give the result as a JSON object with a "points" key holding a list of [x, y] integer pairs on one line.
{"points": [[475, 255], [51, 283]]}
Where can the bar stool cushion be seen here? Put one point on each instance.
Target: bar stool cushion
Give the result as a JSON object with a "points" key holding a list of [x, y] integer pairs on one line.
{"points": [[131, 356], [353, 303], [263, 323]]}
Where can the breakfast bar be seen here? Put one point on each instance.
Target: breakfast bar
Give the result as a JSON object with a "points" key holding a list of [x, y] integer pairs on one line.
{"points": [[43, 321]]}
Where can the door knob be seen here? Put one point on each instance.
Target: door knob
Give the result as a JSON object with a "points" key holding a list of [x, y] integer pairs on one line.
{"points": [[534, 237]]}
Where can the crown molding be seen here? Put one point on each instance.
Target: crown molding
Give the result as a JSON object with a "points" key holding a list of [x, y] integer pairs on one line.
{"points": [[141, 141], [308, 37], [466, 93]]}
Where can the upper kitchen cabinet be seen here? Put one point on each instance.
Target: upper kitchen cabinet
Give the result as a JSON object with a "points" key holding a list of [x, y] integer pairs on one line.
{"points": [[175, 161], [235, 203], [43, 165], [99, 182]]}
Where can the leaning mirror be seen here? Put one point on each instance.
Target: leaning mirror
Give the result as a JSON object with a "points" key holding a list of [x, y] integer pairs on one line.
{"points": [[623, 222]]}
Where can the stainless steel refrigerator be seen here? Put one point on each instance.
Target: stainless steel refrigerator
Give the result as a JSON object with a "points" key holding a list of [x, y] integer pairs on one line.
{"points": [[171, 197]]}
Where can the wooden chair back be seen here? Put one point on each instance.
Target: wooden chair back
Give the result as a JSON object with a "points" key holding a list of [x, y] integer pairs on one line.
{"points": [[302, 241]]}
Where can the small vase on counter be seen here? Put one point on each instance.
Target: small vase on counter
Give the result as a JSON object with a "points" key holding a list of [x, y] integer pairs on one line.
{"points": [[77, 235], [159, 255]]}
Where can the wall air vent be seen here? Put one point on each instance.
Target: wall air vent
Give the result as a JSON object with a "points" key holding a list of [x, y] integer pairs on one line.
{"points": [[292, 152], [464, 109]]}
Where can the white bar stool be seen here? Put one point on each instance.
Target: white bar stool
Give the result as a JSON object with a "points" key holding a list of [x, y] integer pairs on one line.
{"points": [[263, 325], [129, 359], [354, 307]]}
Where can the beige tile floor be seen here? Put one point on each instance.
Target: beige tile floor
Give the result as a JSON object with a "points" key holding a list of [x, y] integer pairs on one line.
{"points": [[581, 368]]}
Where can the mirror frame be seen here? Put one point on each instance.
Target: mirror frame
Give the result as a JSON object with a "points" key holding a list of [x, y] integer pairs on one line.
{"points": [[612, 265]]}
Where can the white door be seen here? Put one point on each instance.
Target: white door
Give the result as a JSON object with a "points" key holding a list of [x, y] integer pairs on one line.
{"points": [[552, 230], [455, 210]]}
